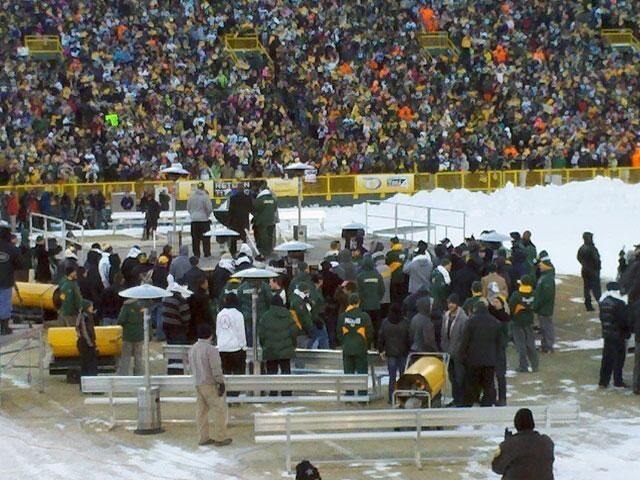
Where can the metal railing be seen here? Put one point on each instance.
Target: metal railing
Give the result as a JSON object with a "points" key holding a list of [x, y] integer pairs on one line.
{"points": [[620, 38], [409, 220], [437, 42], [53, 227], [43, 45], [329, 186]]}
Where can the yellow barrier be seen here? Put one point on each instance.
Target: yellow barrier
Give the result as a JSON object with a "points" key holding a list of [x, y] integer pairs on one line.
{"points": [[437, 42], [63, 340], [329, 186], [620, 38], [36, 295], [43, 45]]}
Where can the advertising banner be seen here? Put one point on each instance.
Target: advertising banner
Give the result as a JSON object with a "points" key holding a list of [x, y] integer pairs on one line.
{"points": [[384, 183]]}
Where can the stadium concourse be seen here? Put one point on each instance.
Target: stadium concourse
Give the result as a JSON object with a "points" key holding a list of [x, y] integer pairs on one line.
{"points": [[346, 87]]}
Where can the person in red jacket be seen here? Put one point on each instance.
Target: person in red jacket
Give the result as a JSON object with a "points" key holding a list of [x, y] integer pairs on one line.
{"points": [[12, 210]]}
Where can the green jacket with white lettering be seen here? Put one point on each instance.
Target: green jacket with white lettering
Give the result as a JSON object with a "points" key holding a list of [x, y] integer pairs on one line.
{"points": [[355, 331], [370, 285]]}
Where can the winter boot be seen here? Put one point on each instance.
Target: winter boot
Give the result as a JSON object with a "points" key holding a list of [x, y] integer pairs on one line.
{"points": [[4, 327]]}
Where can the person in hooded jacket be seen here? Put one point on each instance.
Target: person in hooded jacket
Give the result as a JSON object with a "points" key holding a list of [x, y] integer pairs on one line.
{"points": [[44, 259], [264, 219], [544, 301], [330, 285], [453, 326], [521, 307], [277, 334], [371, 290], [110, 302], [199, 307], [346, 269], [240, 206], [94, 281], [393, 344], [614, 318], [499, 308], [385, 272], [129, 264], [589, 259], [104, 266], [440, 290], [193, 278], [181, 264], [410, 303], [476, 295], [231, 337], [221, 274], [395, 260], [421, 330], [301, 307], [132, 321], [419, 269]]}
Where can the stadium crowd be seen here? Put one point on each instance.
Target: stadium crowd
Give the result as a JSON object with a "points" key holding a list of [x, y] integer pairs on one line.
{"points": [[144, 83]]}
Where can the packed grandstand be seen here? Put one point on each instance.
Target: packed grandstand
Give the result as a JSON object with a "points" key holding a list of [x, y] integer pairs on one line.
{"points": [[343, 85]]}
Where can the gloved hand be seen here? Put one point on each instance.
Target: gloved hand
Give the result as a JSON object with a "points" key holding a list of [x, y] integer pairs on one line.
{"points": [[221, 389]]}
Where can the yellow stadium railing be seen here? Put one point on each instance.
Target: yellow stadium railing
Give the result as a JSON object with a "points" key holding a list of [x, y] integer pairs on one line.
{"points": [[330, 186], [43, 45], [620, 38], [437, 42], [235, 43]]}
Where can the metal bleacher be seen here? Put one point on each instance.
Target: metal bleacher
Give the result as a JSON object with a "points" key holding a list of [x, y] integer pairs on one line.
{"points": [[437, 43], [621, 38]]}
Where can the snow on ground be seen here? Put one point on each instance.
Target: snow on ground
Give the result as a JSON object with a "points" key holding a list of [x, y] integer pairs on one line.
{"points": [[556, 215]]}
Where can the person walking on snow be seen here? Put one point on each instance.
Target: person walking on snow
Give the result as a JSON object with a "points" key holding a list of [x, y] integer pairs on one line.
{"points": [[615, 332], [521, 307], [544, 301], [589, 259]]}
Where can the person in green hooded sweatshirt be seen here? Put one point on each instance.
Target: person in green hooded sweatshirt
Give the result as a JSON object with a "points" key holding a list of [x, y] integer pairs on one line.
{"points": [[131, 318], [470, 303], [521, 307], [371, 290], [395, 259], [355, 334], [530, 251], [544, 301], [277, 334]]}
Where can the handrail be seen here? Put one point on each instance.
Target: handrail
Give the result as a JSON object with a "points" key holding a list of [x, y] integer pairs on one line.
{"points": [[59, 233]]}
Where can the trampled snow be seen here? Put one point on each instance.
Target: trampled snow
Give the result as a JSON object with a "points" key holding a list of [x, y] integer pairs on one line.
{"points": [[556, 215]]}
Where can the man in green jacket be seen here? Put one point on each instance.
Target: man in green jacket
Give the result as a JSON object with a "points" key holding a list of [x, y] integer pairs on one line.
{"points": [[371, 290], [521, 307], [265, 217], [545, 299], [132, 320], [70, 298], [470, 303], [301, 309], [277, 333], [355, 333], [530, 251]]}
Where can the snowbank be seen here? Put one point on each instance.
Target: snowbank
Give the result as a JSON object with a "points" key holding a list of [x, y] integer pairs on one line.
{"points": [[556, 216]]}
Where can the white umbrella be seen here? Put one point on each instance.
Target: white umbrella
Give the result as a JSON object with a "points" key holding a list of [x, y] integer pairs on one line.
{"points": [[144, 292], [175, 169], [255, 273], [293, 246], [494, 236]]}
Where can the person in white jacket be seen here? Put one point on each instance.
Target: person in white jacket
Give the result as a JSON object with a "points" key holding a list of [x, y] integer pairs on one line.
{"points": [[231, 338]]}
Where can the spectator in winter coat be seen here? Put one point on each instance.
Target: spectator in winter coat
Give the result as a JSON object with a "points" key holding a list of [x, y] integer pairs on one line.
{"points": [[530, 251], [462, 280], [127, 202], [385, 272], [129, 264], [395, 260], [371, 290], [476, 296], [86, 340], [180, 265], [521, 307], [500, 310], [176, 315], [44, 259], [193, 278], [240, 206], [355, 334], [132, 321], [199, 307], [393, 343], [440, 289], [634, 324], [346, 269], [277, 334], [421, 330], [544, 302], [265, 218], [70, 298], [104, 266], [200, 208], [527, 455], [151, 217], [453, 326], [231, 338], [111, 302], [410, 303], [301, 306], [221, 274], [330, 285], [419, 269], [478, 347], [614, 317], [589, 259], [493, 276], [94, 281]]}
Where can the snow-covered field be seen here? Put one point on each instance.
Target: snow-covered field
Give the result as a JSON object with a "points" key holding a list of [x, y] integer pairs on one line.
{"points": [[556, 215]]}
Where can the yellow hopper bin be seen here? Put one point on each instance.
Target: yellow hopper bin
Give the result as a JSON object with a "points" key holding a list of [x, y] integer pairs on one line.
{"points": [[63, 341], [36, 295], [433, 371]]}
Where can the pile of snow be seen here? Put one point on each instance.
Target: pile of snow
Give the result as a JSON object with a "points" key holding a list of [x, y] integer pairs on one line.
{"points": [[556, 215]]}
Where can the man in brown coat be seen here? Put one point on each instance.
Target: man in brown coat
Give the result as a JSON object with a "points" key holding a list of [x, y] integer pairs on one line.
{"points": [[491, 277]]}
